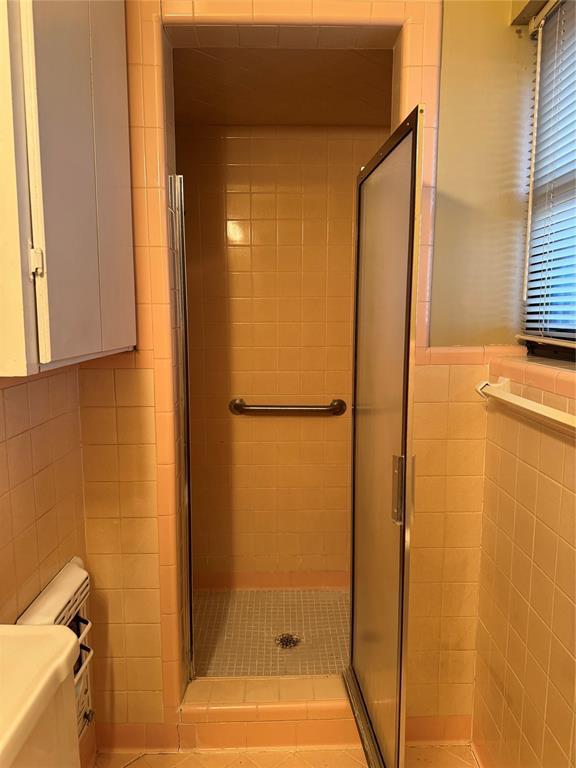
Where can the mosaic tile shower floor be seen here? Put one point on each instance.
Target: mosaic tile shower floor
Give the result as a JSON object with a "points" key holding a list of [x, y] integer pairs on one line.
{"points": [[235, 631]]}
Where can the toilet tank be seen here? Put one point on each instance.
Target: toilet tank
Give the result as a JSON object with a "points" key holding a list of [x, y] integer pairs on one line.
{"points": [[37, 703]]}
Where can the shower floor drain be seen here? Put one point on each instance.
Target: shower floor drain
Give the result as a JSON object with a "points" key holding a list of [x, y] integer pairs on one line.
{"points": [[287, 640]]}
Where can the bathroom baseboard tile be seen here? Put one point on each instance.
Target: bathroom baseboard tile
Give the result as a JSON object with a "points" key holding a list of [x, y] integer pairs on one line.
{"points": [[120, 737], [87, 745], [288, 580], [162, 737], [442, 729]]}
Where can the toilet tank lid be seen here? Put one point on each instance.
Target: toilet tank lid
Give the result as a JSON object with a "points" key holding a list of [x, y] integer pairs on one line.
{"points": [[34, 661]]}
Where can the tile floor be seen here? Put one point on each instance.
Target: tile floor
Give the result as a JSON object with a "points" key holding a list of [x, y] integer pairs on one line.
{"points": [[416, 757], [317, 758], [235, 631]]}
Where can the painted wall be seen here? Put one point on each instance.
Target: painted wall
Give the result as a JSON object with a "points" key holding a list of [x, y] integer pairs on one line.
{"points": [[483, 145], [524, 712], [269, 223]]}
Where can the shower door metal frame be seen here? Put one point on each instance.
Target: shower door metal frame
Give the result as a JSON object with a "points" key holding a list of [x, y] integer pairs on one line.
{"points": [[412, 124], [177, 245]]}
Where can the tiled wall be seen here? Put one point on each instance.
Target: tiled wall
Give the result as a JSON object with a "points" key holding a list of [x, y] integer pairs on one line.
{"points": [[416, 74], [119, 449], [270, 221], [129, 409], [41, 507], [526, 680], [449, 438], [268, 712]]}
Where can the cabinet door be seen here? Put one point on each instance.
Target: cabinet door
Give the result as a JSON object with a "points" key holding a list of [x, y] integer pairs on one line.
{"points": [[113, 194], [56, 60], [18, 342]]}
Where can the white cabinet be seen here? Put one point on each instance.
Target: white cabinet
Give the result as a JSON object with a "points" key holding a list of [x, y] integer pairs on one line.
{"points": [[66, 256]]}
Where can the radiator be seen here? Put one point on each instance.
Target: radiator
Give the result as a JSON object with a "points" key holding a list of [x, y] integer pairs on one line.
{"points": [[63, 601]]}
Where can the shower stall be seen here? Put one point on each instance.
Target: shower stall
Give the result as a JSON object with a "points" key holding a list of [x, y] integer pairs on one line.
{"points": [[299, 211]]}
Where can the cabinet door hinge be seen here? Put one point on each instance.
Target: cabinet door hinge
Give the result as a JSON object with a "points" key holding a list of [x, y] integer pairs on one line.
{"points": [[36, 257]]}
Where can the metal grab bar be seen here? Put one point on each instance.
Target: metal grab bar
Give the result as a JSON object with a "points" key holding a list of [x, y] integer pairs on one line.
{"points": [[336, 408]]}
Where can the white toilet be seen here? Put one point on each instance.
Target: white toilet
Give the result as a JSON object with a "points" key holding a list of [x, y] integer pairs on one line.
{"points": [[37, 701]]}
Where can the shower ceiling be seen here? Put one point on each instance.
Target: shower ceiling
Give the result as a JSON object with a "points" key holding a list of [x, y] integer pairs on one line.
{"points": [[274, 86]]}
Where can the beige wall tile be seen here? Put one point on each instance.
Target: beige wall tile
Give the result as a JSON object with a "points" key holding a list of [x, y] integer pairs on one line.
{"points": [[143, 640], [112, 705], [17, 410], [106, 606], [103, 535], [98, 426], [101, 499], [141, 606], [134, 387], [96, 387], [105, 570], [145, 707], [23, 506], [137, 463], [109, 674], [22, 460], [534, 693], [109, 640], [136, 425], [100, 463], [140, 571], [431, 383], [138, 499], [282, 329], [463, 379], [139, 535], [41, 515], [143, 674]]}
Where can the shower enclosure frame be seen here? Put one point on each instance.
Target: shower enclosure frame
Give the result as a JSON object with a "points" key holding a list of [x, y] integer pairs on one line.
{"points": [[177, 246], [412, 124]]}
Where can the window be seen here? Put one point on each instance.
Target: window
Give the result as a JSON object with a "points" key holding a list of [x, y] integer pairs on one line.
{"points": [[550, 284]]}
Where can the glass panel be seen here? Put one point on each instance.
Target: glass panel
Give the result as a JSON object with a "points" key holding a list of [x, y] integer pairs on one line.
{"points": [[384, 271]]}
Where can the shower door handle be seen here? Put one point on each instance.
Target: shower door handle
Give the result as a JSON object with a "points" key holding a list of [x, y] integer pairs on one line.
{"points": [[398, 486]]}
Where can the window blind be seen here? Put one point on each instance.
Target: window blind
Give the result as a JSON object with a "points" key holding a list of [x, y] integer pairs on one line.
{"points": [[550, 292]]}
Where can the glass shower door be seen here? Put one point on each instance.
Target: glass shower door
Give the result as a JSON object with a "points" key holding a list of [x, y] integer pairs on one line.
{"points": [[386, 241], [177, 245]]}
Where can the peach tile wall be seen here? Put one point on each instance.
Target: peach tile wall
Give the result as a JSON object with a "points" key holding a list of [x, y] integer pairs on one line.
{"points": [[119, 450], [131, 622], [526, 680], [449, 439], [129, 412], [549, 384], [270, 221], [268, 712], [41, 505], [174, 586], [416, 73]]}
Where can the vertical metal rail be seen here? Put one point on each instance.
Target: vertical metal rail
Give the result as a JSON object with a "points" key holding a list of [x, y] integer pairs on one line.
{"points": [[179, 281]]}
